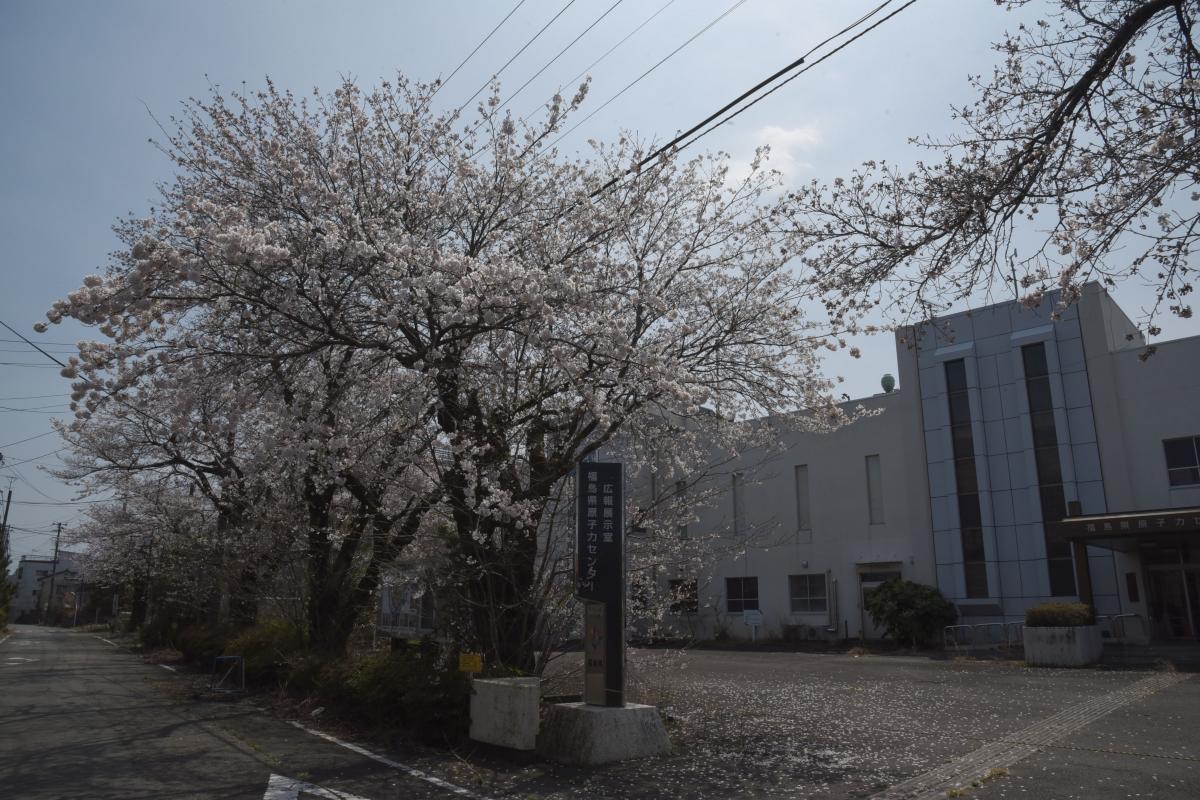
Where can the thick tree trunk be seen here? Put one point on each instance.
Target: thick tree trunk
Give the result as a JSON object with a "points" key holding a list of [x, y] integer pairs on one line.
{"points": [[502, 597]]}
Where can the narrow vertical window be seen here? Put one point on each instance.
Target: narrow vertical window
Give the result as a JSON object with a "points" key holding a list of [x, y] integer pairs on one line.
{"points": [[970, 518], [803, 520], [874, 490], [737, 490], [1049, 469]]}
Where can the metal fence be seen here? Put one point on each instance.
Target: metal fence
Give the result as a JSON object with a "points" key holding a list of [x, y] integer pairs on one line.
{"points": [[983, 635], [994, 635], [1121, 627]]}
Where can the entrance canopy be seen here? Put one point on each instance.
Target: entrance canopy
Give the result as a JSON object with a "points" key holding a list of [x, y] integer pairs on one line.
{"points": [[1131, 530]]}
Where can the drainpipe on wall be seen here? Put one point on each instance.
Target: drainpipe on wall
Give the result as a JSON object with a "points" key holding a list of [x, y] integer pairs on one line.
{"points": [[831, 582]]}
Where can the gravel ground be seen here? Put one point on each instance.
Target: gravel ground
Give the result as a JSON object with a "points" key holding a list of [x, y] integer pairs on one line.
{"points": [[785, 725]]}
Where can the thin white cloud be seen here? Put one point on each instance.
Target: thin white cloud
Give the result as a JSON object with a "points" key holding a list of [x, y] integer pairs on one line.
{"points": [[788, 146]]}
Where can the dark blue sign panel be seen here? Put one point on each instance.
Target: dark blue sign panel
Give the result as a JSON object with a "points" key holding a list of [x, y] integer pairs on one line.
{"points": [[599, 567]]}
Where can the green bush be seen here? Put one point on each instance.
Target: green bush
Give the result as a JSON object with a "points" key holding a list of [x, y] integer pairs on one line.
{"points": [[161, 630], [268, 649], [1060, 615], [411, 691], [200, 644], [429, 698], [910, 612]]}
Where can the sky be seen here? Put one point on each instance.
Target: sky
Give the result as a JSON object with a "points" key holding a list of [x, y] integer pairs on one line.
{"points": [[84, 84]]}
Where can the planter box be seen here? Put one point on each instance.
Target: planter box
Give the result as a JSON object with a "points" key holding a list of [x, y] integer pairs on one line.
{"points": [[1073, 646], [504, 711]]}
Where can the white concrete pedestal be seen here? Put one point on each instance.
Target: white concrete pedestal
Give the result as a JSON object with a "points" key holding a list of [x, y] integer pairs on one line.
{"points": [[504, 711], [577, 733], [1074, 646]]}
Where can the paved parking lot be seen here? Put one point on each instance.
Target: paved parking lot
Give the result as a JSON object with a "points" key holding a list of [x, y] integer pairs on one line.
{"points": [[805, 725]]}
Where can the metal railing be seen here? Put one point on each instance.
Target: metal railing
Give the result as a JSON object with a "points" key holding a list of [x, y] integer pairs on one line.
{"points": [[1120, 627], [983, 635]]}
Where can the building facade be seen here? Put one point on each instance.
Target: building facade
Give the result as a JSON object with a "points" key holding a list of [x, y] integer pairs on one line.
{"points": [[29, 595], [1019, 442]]}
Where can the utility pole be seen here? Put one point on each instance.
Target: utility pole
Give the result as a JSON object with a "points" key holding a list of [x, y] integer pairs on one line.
{"points": [[78, 600], [4, 524], [53, 571]]}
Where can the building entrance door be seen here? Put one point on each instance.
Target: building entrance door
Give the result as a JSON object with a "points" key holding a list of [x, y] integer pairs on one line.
{"points": [[1175, 601]]}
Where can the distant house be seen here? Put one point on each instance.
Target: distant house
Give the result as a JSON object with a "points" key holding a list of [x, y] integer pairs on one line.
{"points": [[29, 599]]}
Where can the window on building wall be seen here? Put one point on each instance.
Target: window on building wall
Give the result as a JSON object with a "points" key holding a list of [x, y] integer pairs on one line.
{"points": [[874, 490], [803, 518], [1051, 494], [737, 493], [741, 594], [807, 593], [681, 492], [966, 481], [1183, 461], [685, 596]]}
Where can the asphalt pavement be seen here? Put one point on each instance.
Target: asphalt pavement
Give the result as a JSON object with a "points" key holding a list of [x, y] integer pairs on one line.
{"points": [[80, 718]]}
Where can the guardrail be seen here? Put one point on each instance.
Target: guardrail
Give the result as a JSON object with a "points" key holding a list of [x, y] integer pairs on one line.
{"points": [[983, 635]]}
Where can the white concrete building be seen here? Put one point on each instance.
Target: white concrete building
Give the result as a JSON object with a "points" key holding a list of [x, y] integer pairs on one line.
{"points": [[29, 571], [1026, 456]]}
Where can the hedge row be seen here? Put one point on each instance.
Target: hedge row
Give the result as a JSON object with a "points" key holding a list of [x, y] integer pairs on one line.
{"points": [[417, 692], [1060, 615]]}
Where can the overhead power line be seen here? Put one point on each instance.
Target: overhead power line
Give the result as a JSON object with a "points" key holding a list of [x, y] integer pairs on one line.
{"points": [[666, 148], [776, 88], [21, 336], [471, 54], [639, 78], [547, 65], [26, 341], [34, 458], [30, 397], [43, 410], [524, 47], [30, 439], [677, 143], [606, 54], [62, 502]]}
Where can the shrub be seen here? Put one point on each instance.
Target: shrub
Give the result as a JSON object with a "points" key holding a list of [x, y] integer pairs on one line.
{"points": [[160, 630], [200, 644], [268, 649], [910, 612], [413, 691], [1060, 615]]}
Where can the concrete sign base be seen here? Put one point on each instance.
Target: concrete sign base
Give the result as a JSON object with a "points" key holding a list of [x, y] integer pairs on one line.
{"points": [[586, 735]]}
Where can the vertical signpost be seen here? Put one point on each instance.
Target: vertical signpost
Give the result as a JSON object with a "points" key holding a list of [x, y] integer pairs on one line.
{"points": [[600, 580]]}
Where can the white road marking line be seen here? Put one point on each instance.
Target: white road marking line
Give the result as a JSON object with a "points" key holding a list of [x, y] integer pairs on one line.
{"points": [[413, 771], [6, 638], [281, 788], [1016, 746], [106, 641], [164, 666]]}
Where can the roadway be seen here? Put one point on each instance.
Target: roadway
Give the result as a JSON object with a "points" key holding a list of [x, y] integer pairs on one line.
{"points": [[81, 718]]}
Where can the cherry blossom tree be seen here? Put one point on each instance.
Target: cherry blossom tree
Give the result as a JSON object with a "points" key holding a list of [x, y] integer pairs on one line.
{"points": [[1078, 161], [425, 324]]}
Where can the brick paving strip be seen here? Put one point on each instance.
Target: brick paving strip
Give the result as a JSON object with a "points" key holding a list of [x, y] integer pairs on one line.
{"points": [[1005, 752]]}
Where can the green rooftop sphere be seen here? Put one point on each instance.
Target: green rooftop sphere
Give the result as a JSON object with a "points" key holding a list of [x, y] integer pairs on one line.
{"points": [[888, 383]]}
